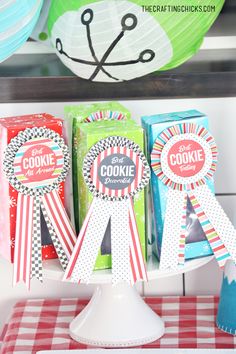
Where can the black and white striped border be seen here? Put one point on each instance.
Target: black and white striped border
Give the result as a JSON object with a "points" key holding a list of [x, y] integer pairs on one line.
{"points": [[15, 145], [103, 145]]}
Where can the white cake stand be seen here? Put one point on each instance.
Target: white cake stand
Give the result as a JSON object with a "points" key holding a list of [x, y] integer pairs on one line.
{"points": [[117, 316]]}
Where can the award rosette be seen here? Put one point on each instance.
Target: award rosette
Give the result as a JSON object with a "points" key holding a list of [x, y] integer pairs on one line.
{"points": [[36, 162], [105, 115], [184, 158], [115, 169]]}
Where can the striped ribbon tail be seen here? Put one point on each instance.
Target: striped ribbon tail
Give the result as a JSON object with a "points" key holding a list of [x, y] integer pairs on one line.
{"points": [[215, 223], [173, 230], [58, 247], [127, 259], [60, 222], [76, 252], [23, 239], [138, 267], [83, 258], [182, 241]]}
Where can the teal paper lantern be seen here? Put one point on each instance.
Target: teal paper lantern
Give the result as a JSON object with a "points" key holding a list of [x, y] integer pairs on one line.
{"points": [[17, 20], [119, 40]]}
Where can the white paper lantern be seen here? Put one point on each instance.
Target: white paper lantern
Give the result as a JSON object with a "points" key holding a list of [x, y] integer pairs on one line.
{"points": [[119, 40]]}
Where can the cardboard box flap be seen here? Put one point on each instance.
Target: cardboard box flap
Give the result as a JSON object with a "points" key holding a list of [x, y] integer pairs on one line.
{"points": [[170, 117], [28, 120]]}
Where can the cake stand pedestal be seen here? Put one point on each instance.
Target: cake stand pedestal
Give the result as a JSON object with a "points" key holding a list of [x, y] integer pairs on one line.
{"points": [[116, 315]]}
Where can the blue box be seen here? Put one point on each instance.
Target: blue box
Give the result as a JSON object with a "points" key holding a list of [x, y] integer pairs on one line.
{"points": [[196, 242]]}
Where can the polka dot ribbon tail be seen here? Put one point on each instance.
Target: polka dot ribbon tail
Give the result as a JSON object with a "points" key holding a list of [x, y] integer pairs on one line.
{"points": [[184, 158], [115, 169], [36, 162]]}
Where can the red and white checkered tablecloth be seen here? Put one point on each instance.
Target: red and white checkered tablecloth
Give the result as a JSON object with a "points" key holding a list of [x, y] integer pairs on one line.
{"points": [[43, 324]]}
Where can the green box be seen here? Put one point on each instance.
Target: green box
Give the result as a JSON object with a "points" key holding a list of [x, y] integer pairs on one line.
{"points": [[85, 135], [75, 115]]}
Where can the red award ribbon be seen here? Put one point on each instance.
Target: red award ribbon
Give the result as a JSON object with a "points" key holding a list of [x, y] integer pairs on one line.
{"points": [[115, 169], [184, 158], [36, 162]]}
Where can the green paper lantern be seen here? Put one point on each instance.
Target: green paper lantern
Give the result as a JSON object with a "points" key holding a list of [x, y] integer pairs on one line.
{"points": [[119, 40]]}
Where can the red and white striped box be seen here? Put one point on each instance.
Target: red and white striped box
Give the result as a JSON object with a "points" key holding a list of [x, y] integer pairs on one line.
{"points": [[9, 128]]}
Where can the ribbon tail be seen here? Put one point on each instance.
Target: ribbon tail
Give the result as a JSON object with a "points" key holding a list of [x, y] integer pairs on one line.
{"points": [[60, 223], [23, 240], [56, 242], [219, 231], [182, 241], [87, 246], [36, 260], [172, 230], [120, 242], [75, 254], [138, 267]]}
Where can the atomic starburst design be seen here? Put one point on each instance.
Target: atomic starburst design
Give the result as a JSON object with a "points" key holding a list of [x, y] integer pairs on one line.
{"points": [[12, 202], [100, 46], [128, 23]]}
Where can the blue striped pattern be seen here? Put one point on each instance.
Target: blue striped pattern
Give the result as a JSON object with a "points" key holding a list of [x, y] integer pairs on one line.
{"points": [[19, 20]]}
